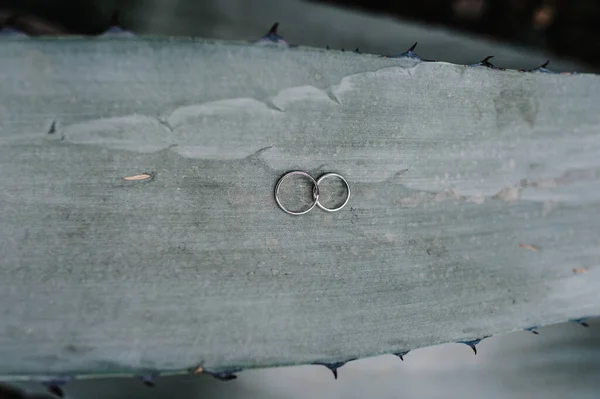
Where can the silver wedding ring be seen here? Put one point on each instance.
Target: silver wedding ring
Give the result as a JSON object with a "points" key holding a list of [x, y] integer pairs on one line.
{"points": [[326, 175], [315, 195], [315, 192]]}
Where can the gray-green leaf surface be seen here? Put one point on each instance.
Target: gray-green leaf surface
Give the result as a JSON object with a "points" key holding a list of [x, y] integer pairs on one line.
{"points": [[475, 205]]}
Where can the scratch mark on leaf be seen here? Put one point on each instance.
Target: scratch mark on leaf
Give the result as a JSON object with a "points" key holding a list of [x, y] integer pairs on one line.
{"points": [[304, 95], [271, 105], [580, 270], [508, 194], [332, 96], [530, 247], [165, 124], [261, 150], [141, 176]]}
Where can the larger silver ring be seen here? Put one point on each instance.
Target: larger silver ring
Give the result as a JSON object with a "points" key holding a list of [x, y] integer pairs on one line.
{"points": [[315, 192]]}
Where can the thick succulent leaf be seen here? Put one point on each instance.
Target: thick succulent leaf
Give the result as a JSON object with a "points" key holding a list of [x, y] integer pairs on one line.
{"points": [[139, 231]]}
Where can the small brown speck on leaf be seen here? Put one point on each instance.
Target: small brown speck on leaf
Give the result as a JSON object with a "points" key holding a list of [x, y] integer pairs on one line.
{"points": [[530, 247], [143, 176], [579, 270], [199, 370]]}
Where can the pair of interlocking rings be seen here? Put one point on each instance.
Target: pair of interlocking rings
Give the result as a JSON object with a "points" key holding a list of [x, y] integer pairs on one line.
{"points": [[315, 192]]}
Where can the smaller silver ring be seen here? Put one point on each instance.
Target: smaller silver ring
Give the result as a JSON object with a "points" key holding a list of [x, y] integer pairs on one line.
{"points": [[316, 195], [315, 192]]}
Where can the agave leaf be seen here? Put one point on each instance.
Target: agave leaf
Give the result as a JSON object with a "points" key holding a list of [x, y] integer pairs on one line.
{"points": [[475, 198]]}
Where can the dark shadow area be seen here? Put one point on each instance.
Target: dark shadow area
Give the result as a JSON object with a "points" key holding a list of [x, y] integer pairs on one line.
{"points": [[565, 28]]}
